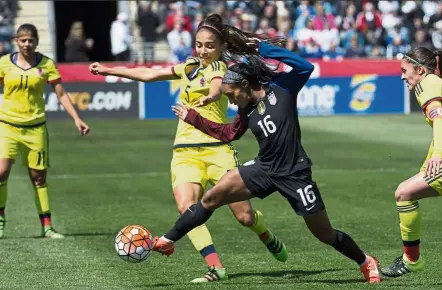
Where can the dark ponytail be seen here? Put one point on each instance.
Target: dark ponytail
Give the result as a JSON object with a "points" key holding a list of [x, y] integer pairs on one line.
{"points": [[252, 69], [236, 39], [422, 56]]}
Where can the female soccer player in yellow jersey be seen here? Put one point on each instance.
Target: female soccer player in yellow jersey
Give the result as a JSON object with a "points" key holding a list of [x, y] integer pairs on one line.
{"points": [[199, 159], [420, 70], [22, 120]]}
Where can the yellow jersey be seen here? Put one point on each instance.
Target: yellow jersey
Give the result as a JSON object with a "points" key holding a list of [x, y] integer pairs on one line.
{"points": [[195, 84], [23, 103], [428, 90]]}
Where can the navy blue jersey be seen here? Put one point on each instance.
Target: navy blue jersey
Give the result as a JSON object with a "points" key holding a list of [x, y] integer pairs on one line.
{"points": [[273, 120]]}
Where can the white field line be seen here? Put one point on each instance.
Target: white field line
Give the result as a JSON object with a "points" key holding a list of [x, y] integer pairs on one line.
{"points": [[158, 174]]}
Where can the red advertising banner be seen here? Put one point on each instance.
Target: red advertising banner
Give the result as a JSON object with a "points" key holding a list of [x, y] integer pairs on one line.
{"points": [[72, 73]]}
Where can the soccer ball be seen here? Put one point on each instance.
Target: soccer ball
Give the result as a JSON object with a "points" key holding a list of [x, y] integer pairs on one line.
{"points": [[134, 243]]}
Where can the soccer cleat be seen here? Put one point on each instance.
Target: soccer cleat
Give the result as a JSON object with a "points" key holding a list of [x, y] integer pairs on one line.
{"points": [[402, 266], [370, 270], [50, 233], [163, 246], [276, 248], [2, 226], [214, 274]]}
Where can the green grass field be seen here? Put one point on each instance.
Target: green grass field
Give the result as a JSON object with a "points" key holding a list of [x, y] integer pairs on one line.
{"points": [[119, 175]]}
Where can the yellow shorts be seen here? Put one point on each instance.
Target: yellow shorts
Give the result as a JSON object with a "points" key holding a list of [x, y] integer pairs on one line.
{"points": [[436, 182], [32, 143], [202, 164]]}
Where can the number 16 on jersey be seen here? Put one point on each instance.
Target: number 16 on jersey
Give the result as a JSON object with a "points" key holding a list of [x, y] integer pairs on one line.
{"points": [[267, 126]]}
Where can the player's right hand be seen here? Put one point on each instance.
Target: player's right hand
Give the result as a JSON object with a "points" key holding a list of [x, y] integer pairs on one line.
{"points": [[98, 69], [180, 111], [433, 166]]}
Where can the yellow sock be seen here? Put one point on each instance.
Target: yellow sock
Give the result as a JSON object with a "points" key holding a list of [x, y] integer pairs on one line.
{"points": [[200, 237], [202, 241], [410, 220], [3, 197], [42, 199], [42, 204], [259, 227]]}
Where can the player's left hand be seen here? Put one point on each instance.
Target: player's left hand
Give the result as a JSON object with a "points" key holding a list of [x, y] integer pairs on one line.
{"points": [[180, 111], [82, 127], [206, 100], [433, 166]]}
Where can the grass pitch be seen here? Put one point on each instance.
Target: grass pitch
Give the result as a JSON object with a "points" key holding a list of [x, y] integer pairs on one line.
{"points": [[119, 175]]}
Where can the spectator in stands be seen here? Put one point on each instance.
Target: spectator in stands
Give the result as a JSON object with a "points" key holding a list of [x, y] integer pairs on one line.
{"points": [[77, 46], [310, 49], [435, 18], [180, 42], [355, 50], [264, 27], [369, 23], [121, 40], [178, 13], [421, 39], [292, 45], [398, 46], [148, 21], [436, 36], [2, 49], [334, 52], [321, 19]]}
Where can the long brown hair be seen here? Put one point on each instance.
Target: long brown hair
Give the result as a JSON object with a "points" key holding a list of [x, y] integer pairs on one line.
{"points": [[422, 56], [236, 39]]}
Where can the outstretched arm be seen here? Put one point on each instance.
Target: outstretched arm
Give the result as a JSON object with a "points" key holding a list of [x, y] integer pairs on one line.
{"points": [[301, 68], [142, 74], [223, 132]]}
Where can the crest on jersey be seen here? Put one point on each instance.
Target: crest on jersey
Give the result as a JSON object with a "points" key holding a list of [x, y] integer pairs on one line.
{"points": [[202, 82], [272, 98], [40, 72], [261, 108]]}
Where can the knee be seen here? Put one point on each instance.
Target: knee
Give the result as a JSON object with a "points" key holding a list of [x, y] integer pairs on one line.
{"points": [[246, 218], [39, 179], [400, 194], [183, 206]]}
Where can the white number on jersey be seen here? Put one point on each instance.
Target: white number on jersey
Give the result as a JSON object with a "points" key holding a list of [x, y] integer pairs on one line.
{"points": [[268, 127]]}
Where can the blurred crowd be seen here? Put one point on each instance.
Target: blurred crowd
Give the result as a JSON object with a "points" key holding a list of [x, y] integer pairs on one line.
{"points": [[315, 29], [8, 12]]}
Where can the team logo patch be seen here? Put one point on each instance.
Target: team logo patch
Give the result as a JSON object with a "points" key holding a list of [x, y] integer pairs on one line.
{"points": [[40, 72], [272, 98], [261, 108], [202, 82]]}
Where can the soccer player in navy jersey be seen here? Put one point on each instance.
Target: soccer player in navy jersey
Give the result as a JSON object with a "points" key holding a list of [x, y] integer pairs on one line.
{"points": [[268, 107]]}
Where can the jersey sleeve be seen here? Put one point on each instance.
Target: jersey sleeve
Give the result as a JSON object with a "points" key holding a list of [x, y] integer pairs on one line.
{"points": [[3, 60], [178, 70], [52, 72], [216, 69], [222, 132], [301, 70], [429, 90]]}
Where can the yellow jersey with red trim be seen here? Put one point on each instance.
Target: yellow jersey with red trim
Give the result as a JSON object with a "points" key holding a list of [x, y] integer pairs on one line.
{"points": [[23, 103], [195, 84], [427, 91]]}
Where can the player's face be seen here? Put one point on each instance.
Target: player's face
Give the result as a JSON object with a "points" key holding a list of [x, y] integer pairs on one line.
{"points": [[238, 94], [412, 76], [26, 43], [208, 47]]}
